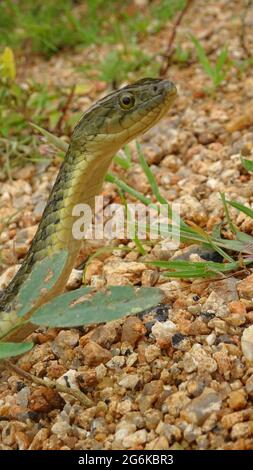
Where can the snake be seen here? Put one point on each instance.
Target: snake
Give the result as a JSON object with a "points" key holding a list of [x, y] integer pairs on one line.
{"points": [[108, 125]]}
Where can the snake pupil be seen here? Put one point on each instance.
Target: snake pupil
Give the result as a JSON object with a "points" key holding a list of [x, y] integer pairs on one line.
{"points": [[126, 100]]}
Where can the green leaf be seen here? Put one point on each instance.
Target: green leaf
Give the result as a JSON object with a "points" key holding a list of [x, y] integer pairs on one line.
{"points": [[14, 349], [150, 177], [190, 269], [203, 57], [241, 208], [248, 164], [83, 307], [232, 227], [42, 278], [7, 64]]}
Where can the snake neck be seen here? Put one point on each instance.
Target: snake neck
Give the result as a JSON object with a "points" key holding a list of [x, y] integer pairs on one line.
{"points": [[79, 180]]}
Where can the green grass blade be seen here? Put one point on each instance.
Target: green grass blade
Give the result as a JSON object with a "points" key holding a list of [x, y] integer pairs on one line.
{"points": [[52, 139]]}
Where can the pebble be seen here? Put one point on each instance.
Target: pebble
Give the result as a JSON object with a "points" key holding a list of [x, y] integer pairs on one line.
{"points": [[159, 443], [150, 394], [176, 402], [247, 343], [129, 381], [216, 305], [124, 429], [171, 432], [94, 354], [242, 430], [245, 288], [75, 279], [44, 400], [104, 335], [198, 359], [249, 387], [237, 399], [152, 352], [201, 407], [116, 362], [149, 278], [135, 439], [7, 276], [132, 331], [163, 332]]}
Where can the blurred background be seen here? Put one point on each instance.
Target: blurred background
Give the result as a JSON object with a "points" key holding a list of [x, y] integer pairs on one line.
{"points": [[56, 57]]}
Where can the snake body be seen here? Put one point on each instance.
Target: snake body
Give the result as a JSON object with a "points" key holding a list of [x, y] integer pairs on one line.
{"points": [[108, 125]]}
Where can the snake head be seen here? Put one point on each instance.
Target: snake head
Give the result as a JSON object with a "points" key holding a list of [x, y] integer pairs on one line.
{"points": [[124, 114]]}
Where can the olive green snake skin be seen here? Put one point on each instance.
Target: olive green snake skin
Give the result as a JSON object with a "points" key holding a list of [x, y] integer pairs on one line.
{"points": [[108, 125]]}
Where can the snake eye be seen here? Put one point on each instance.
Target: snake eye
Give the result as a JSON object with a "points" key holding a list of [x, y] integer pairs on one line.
{"points": [[126, 101]]}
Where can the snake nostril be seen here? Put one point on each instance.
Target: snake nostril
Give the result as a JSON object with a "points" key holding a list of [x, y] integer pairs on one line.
{"points": [[155, 88]]}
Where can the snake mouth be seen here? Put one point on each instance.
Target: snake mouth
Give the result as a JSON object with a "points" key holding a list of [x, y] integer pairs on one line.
{"points": [[169, 87]]}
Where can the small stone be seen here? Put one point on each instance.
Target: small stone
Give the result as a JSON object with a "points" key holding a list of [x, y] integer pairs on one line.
{"points": [[195, 387], [129, 381], [104, 335], [67, 338], [7, 276], [191, 433], [61, 428], [223, 361], [216, 305], [39, 439], [159, 443], [201, 407], [210, 339], [39, 209], [237, 399], [249, 387], [171, 432], [176, 402], [135, 439], [242, 430], [163, 332], [116, 271], [237, 307], [149, 277], [94, 354], [44, 400], [197, 358], [245, 288], [87, 379], [23, 397], [229, 420], [152, 352], [75, 279], [116, 362], [150, 394], [124, 429], [206, 138], [132, 331], [64, 343], [101, 371], [236, 319], [152, 419], [132, 359], [94, 268], [247, 343]]}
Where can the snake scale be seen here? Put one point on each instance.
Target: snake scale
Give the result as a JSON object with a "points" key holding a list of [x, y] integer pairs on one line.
{"points": [[103, 129]]}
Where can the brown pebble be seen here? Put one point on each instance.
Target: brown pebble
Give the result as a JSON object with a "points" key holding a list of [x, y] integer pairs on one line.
{"points": [[43, 400], [237, 399], [132, 330], [94, 354]]}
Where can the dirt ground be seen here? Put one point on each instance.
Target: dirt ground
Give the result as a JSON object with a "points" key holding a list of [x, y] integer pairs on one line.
{"points": [[181, 376]]}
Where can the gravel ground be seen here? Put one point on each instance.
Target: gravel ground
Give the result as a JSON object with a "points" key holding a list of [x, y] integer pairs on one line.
{"points": [[181, 376]]}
